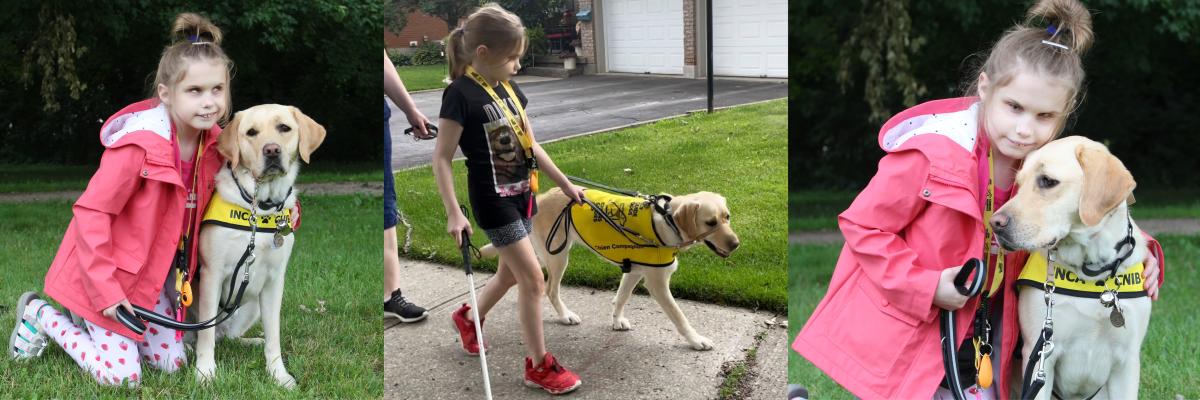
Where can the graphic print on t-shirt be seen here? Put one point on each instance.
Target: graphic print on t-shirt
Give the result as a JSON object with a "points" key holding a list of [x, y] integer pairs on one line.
{"points": [[508, 157]]}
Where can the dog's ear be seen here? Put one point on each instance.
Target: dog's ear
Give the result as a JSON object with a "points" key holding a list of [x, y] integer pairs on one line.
{"points": [[311, 134], [1106, 183], [227, 142], [685, 218]]}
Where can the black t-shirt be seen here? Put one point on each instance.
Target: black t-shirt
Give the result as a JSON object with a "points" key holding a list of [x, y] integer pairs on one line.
{"points": [[496, 165]]}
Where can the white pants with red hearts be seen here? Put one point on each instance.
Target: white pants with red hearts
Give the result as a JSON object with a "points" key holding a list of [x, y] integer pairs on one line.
{"points": [[113, 359]]}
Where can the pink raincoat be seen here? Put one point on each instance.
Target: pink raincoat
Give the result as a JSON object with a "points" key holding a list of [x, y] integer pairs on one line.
{"points": [[122, 239], [876, 331]]}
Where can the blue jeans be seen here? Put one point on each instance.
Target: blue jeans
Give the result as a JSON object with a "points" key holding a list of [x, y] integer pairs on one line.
{"points": [[391, 216]]}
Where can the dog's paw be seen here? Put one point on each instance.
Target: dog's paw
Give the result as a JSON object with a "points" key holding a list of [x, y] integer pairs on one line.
{"points": [[700, 343], [570, 318], [204, 374], [285, 380], [621, 324]]}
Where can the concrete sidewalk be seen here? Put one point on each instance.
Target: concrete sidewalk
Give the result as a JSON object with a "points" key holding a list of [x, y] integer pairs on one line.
{"points": [[652, 361]]}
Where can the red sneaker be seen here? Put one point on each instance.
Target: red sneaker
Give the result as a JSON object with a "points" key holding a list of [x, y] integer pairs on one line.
{"points": [[550, 376], [466, 329]]}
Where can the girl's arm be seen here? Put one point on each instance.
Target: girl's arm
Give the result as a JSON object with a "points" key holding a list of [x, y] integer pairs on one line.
{"points": [[443, 153], [394, 87], [545, 164], [107, 192], [871, 226]]}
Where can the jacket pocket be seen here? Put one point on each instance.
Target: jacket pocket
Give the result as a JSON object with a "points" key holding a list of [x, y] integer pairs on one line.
{"points": [[159, 169], [872, 334], [128, 261], [951, 192]]}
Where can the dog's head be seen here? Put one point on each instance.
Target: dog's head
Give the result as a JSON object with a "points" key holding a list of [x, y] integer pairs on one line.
{"points": [[1068, 185], [266, 139], [705, 215], [503, 143]]}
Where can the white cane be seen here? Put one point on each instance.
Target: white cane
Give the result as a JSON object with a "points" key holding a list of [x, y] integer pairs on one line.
{"points": [[466, 245]]}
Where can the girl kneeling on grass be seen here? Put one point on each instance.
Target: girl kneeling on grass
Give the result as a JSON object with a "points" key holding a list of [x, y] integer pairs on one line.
{"points": [[949, 164], [483, 114], [137, 211]]}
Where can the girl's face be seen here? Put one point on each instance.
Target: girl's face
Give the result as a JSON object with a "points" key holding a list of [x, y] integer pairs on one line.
{"points": [[1024, 114], [196, 102], [500, 67]]}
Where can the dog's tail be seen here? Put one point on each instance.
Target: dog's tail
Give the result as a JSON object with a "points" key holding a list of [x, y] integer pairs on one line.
{"points": [[488, 251]]}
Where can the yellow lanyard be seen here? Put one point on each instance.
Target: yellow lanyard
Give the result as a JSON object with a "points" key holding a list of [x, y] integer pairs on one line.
{"points": [[991, 249], [184, 288], [526, 141]]}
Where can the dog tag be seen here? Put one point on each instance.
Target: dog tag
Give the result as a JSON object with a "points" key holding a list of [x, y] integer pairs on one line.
{"points": [[278, 240], [1116, 317]]}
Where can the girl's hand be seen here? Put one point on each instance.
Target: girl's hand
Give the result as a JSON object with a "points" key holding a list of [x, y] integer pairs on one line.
{"points": [[111, 311], [574, 192], [1150, 275], [455, 224], [946, 296], [418, 121]]}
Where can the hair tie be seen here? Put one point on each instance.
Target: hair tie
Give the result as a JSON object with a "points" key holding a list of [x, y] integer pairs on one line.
{"points": [[1053, 30]]}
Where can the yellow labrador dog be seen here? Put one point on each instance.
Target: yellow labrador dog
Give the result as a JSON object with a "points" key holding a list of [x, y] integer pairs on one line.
{"points": [[686, 220], [263, 145], [1073, 209]]}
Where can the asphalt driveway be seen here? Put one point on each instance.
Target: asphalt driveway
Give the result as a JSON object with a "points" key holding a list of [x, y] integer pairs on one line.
{"points": [[567, 107]]}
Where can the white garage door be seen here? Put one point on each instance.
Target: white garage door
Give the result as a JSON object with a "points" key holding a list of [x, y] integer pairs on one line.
{"points": [[750, 38], [645, 36]]}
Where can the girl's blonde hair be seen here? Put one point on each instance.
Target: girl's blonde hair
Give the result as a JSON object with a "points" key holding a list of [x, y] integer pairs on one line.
{"points": [[1050, 42], [489, 25], [193, 38]]}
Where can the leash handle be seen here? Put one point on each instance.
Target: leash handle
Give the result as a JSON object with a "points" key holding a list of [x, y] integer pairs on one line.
{"points": [[433, 131], [960, 279]]}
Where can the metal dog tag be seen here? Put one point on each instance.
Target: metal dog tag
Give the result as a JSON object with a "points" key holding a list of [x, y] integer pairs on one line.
{"points": [[1116, 317], [278, 240]]}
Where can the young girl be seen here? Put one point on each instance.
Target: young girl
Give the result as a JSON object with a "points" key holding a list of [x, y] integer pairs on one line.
{"points": [[135, 216], [483, 114], [949, 164]]}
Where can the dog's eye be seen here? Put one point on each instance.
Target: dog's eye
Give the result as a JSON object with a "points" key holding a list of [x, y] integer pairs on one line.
{"points": [[252, 132], [1046, 182], [283, 128], [711, 223]]}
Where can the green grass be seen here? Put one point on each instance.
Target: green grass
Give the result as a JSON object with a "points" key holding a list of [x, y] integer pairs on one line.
{"points": [[52, 178], [337, 354], [735, 152], [1168, 353], [423, 77], [816, 210]]}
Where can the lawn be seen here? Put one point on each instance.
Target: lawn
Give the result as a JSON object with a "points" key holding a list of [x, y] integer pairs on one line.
{"points": [[735, 152], [50, 178], [423, 77], [337, 353]]}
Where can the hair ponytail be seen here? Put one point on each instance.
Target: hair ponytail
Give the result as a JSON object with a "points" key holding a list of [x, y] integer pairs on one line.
{"points": [[456, 56]]}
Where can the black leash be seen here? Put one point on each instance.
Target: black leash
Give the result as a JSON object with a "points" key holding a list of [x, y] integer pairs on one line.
{"points": [[595, 184], [946, 317], [433, 132]]}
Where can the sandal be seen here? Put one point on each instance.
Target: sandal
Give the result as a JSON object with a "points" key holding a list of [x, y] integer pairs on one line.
{"points": [[27, 340]]}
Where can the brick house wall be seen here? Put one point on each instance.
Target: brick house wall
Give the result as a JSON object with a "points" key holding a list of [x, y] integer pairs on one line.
{"points": [[420, 28]]}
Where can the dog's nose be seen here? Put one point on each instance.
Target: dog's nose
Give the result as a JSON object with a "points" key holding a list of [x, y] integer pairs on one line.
{"points": [[271, 150], [505, 140], [999, 221], [733, 244]]}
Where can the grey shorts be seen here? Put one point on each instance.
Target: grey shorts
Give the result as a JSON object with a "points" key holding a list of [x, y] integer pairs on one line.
{"points": [[510, 233]]}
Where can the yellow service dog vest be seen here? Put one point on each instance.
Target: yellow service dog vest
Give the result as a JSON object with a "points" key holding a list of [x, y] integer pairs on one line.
{"points": [[1128, 284], [224, 213], [633, 213]]}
